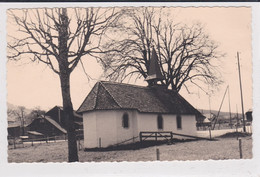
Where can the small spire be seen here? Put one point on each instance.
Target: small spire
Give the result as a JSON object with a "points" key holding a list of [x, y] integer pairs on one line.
{"points": [[154, 73]]}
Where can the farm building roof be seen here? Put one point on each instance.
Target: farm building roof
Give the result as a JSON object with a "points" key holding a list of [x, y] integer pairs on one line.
{"points": [[157, 99], [55, 110], [35, 133], [13, 125], [53, 122]]}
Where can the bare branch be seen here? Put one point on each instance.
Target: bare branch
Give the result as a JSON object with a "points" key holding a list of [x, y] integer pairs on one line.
{"points": [[185, 52]]}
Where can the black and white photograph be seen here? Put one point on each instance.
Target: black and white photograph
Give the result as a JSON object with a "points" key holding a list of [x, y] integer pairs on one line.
{"points": [[129, 84]]}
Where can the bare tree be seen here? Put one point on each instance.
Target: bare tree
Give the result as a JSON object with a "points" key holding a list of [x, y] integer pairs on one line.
{"points": [[19, 114], [186, 54], [35, 113], [59, 38]]}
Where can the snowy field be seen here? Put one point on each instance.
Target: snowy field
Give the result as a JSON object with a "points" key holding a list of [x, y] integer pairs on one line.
{"points": [[223, 148], [216, 132]]}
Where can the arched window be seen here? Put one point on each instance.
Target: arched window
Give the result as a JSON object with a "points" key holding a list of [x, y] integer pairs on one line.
{"points": [[179, 124], [160, 121], [125, 120]]}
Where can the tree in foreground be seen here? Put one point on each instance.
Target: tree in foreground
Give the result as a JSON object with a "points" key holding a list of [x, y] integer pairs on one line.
{"points": [[186, 54], [59, 38]]}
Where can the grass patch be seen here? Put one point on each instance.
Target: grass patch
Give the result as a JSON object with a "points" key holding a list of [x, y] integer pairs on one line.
{"points": [[224, 148], [235, 134]]}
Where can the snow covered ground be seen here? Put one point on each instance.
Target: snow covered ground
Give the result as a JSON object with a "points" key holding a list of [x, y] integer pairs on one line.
{"points": [[216, 133]]}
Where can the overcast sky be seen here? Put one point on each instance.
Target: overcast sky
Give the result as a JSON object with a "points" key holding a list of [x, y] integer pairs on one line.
{"points": [[35, 84]]}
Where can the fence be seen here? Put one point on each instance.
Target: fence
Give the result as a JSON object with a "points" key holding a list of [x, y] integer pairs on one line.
{"points": [[164, 135], [14, 143]]}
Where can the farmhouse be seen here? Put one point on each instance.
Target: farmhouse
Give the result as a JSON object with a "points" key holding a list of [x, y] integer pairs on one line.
{"points": [[45, 126], [115, 112], [57, 114], [53, 124], [14, 130]]}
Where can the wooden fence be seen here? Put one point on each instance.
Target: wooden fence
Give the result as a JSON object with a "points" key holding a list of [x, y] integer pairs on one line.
{"points": [[23, 142], [164, 135]]}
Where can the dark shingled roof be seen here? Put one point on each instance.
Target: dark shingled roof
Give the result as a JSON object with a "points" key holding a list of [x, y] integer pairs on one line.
{"points": [[157, 99]]}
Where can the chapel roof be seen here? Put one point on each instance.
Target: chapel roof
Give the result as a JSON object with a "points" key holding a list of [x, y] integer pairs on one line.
{"points": [[117, 96]]}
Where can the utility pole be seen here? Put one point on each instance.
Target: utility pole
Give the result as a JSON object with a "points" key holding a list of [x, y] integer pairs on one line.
{"points": [[209, 105], [230, 122], [242, 105]]}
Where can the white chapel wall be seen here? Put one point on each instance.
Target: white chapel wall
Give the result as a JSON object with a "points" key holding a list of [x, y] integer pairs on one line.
{"points": [[148, 122], [106, 129], [89, 126], [126, 133], [107, 126]]}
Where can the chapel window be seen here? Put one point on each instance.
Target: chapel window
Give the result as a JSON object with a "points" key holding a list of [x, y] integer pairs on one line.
{"points": [[160, 121], [179, 122], [125, 120]]}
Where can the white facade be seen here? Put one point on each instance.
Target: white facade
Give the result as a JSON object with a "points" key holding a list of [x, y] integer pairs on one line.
{"points": [[103, 128]]}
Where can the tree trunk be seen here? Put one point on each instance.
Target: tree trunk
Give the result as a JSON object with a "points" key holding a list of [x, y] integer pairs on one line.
{"points": [[65, 86], [69, 117]]}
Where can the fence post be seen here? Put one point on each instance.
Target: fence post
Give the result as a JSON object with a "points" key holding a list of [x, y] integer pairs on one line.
{"points": [[141, 138], [99, 140], [157, 154], [240, 148], [14, 143], [209, 133], [156, 137], [32, 142], [78, 143], [171, 137]]}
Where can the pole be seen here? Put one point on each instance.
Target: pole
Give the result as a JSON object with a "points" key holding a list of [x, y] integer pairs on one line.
{"points": [[240, 148], [237, 124], [230, 123], [157, 154], [209, 133], [141, 138], [14, 143], [99, 140], [209, 109], [241, 93], [219, 109], [78, 144]]}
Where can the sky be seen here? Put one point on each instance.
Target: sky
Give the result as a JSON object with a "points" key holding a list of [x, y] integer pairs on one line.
{"points": [[33, 84]]}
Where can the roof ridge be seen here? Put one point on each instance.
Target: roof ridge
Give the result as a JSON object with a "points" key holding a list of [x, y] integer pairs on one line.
{"points": [[110, 94], [56, 124], [120, 83]]}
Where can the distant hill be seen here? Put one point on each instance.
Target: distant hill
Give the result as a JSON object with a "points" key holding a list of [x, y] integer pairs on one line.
{"points": [[222, 114]]}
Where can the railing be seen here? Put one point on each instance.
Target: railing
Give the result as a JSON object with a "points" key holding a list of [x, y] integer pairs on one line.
{"points": [[167, 135]]}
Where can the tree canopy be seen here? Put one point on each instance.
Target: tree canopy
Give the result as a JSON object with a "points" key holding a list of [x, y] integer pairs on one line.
{"points": [[186, 53]]}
